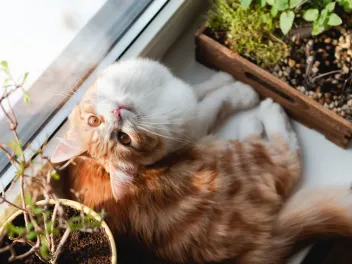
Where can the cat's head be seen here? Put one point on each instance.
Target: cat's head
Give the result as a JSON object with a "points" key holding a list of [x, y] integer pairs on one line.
{"points": [[136, 113]]}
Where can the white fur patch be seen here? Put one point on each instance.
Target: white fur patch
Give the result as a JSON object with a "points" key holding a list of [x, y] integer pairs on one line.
{"points": [[218, 80], [276, 121]]}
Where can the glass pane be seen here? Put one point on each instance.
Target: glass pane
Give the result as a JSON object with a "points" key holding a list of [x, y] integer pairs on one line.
{"points": [[59, 42]]}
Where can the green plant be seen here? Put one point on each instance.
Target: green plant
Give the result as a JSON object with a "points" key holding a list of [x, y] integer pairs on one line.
{"points": [[42, 222], [319, 12], [247, 31], [323, 19]]}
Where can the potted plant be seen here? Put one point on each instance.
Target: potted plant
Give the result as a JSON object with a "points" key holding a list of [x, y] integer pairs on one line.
{"points": [[296, 51], [45, 229]]}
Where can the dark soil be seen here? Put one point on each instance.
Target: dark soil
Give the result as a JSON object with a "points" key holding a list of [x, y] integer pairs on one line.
{"points": [[80, 247], [321, 68]]}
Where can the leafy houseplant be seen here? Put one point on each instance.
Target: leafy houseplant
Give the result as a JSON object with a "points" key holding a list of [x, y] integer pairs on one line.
{"points": [[44, 231], [305, 43], [320, 12]]}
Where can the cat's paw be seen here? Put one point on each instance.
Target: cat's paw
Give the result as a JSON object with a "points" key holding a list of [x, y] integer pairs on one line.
{"points": [[223, 78], [276, 122], [242, 96], [271, 111], [250, 127]]}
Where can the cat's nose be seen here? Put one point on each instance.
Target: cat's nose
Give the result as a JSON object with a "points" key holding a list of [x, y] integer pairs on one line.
{"points": [[117, 112]]}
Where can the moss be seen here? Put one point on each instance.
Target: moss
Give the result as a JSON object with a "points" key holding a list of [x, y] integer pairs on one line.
{"points": [[250, 31]]}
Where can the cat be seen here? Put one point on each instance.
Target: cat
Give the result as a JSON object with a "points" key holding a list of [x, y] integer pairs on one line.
{"points": [[140, 151]]}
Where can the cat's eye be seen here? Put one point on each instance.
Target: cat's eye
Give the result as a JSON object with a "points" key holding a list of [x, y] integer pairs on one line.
{"points": [[123, 138], [94, 121]]}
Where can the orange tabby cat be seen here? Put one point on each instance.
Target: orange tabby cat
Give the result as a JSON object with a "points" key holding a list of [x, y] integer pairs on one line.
{"points": [[209, 201]]}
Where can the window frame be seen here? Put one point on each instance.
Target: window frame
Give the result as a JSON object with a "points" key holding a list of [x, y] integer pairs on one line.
{"points": [[65, 82], [72, 66]]}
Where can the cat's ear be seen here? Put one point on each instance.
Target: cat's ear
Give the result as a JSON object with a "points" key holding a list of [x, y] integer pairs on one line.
{"points": [[70, 147]]}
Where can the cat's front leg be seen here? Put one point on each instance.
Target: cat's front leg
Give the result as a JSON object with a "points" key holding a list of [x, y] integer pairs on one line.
{"points": [[218, 80], [222, 102]]}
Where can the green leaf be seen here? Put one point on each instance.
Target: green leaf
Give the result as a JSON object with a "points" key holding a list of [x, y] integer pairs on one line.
{"points": [[261, 3], [37, 210], [317, 28], [26, 97], [21, 169], [31, 235], [16, 230], [330, 7], [323, 17], [346, 4], [270, 2], [274, 11], [44, 250], [30, 226], [286, 21], [281, 4], [25, 77], [295, 3], [311, 15], [16, 147], [5, 66], [55, 175], [334, 20], [246, 3], [29, 200]]}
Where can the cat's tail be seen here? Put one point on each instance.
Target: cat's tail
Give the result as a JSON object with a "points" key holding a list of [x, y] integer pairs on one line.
{"points": [[309, 214]]}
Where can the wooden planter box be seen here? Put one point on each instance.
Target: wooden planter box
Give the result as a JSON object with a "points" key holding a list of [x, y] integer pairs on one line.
{"points": [[302, 108]]}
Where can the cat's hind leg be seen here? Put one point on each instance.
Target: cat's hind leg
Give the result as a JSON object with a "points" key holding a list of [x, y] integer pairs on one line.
{"points": [[277, 124], [283, 145], [250, 128]]}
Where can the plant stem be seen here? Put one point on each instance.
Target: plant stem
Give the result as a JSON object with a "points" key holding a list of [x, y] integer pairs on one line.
{"points": [[53, 219], [24, 202], [12, 204], [8, 154], [325, 74], [61, 243]]}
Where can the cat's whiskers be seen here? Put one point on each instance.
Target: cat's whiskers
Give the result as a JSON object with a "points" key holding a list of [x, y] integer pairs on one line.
{"points": [[168, 137], [160, 113], [143, 121], [157, 116], [183, 140], [69, 95]]}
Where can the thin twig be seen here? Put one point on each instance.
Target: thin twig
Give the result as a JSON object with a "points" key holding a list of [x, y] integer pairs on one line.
{"points": [[325, 74], [8, 154], [12, 204], [53, 219], [29, 252], [23, 201], [61, 243]]}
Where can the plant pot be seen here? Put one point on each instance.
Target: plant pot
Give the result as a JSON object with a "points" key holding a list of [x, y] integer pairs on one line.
{"points": [[77, 206], [302, 108]]}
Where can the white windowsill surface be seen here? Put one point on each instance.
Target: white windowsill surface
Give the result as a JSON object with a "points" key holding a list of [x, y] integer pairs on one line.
{"points": [[323, 162]]}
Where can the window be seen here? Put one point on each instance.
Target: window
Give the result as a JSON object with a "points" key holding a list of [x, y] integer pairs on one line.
{"points": [[59, 42]]}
